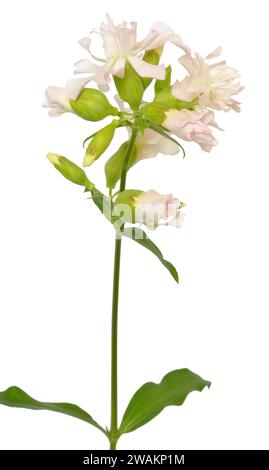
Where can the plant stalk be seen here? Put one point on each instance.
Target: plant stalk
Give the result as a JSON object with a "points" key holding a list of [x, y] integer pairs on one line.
{"points": [[115, 302]]}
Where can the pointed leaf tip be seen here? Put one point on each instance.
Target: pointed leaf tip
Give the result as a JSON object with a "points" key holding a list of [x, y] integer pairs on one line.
{"points": [[152, 398], [16, 397]]}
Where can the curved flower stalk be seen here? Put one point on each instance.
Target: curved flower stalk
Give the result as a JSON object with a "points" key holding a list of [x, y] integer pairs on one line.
{"points": [[183, 111]]}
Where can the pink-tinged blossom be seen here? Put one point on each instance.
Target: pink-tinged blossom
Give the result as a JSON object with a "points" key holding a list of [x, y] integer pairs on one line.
{"points": [[56, 99], [192, 126], [213, 84], [153, 209], [120, 45]]}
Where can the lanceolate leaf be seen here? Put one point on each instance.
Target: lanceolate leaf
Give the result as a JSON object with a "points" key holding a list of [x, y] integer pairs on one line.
{"points": [[16, 397], [141, 237], [104, 204], [152, 398]]}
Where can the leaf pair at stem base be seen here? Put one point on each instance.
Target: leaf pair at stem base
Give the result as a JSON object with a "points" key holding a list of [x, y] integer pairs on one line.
{"points": [[146, 403]]}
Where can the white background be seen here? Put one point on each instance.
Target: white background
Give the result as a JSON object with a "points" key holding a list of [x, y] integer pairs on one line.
{"points": [[57, 251]]}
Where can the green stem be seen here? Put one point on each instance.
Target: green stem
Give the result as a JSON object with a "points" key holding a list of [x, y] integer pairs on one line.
{"points": [[115, 302]]}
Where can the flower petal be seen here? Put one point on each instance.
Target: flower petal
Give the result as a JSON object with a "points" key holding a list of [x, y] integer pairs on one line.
{"points": [[151, 143], [188, 62], [118, 68], [85, 43], [183, 91], [176, 39], [86, 66], [164, 33], [126, 39], [146, 42], [75, 86], [102, 76], [146, 70], [214, 53]]}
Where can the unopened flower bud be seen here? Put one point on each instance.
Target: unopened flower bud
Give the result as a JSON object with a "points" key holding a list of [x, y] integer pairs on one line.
{"points": [[92, 105], [70, 170], [99, 143]]}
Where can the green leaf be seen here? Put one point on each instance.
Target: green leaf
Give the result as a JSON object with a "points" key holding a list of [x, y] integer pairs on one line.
{"points": [[16, 397], [152, 398], [138, 235], [151, 57], [104, 204], [130, 87], [114, 166], [161, 84]]}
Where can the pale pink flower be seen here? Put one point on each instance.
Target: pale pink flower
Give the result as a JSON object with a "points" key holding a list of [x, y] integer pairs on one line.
{"points": [[120, 45], [153, 209], [56, 99], [212, 83], [192, 126]]}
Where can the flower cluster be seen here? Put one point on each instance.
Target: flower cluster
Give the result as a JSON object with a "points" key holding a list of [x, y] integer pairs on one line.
{"points": [[183, 109]]}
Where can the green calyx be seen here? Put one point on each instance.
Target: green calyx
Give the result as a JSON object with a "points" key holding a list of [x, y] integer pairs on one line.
{"points": [[130, 88], [164, 101], [125, 203], [93, 105]]}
